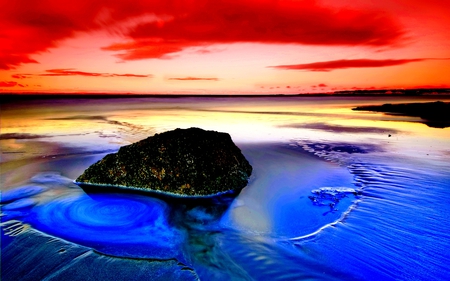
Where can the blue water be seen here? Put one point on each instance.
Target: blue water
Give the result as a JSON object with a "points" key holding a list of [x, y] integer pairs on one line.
{"points": [[326, 201], [399, 228]]}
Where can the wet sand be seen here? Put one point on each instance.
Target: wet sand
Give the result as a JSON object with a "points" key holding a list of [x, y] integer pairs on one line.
{"points": [[32, 255]]}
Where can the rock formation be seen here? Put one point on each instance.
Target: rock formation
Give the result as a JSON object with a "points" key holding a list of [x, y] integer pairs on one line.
{"points": [[435, 114], [183, 162]]}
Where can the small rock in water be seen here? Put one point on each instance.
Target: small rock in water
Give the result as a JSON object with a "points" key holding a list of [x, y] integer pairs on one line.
{"points": [[182, 162]]}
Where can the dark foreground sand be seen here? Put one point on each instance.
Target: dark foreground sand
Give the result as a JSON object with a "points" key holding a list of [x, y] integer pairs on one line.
{"points": [[32, 255]]}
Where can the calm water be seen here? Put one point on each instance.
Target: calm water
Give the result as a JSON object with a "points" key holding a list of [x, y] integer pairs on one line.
{"points": [[335, 194]]}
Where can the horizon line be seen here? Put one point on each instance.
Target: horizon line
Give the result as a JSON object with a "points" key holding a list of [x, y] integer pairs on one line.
{"points": [[355, 92]]}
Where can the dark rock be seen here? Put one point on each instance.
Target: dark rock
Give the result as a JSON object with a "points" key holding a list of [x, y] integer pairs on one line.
{"points": [[435, 114], [183, 162]]}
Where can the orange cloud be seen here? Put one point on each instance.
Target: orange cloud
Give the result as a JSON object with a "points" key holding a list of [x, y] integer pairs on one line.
{"points": [[342, 64], [194, 79]]}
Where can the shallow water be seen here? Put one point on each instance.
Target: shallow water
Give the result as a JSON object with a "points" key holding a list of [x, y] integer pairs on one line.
{"points": [[334, 194]]}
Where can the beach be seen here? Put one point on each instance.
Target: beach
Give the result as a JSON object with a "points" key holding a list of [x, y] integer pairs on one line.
{"points": [[334, 194]]}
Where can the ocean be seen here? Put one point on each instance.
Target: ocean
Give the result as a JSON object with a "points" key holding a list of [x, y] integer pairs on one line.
{"points": [[335, 194]]}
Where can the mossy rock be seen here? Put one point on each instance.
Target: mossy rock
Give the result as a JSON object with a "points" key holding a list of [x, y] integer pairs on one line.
{"points": [[183, 162]]}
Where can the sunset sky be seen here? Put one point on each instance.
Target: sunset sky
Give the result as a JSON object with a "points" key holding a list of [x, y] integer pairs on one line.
{"points": [[222, 46]]}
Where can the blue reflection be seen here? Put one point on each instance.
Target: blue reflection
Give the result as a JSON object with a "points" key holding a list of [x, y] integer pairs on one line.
{"points": [[115, 224], [21, 192]]}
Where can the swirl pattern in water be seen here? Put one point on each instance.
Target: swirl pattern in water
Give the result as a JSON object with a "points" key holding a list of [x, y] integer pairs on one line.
{"points": [[122, 225]]}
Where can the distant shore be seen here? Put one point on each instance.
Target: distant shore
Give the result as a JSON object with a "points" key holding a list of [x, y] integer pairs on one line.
{"points": [[434, 114], [441, 92]]}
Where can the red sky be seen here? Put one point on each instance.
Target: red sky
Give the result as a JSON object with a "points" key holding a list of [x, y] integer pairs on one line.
{"points": [[222, 46]]}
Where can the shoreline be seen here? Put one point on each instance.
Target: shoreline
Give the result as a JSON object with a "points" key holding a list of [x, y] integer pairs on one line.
{"points": [[426, 93]]}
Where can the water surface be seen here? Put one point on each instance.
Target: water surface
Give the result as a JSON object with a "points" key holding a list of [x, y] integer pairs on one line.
{"points": [[335, 194]]}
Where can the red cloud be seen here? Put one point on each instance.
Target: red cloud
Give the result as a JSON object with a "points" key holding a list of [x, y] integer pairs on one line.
{"points": [[71, 72], [19, 76], [8, 84], [342, 64], [31, 27], [145, 49], [281, 22], [194, 79], [10, 60], [129, 75]]}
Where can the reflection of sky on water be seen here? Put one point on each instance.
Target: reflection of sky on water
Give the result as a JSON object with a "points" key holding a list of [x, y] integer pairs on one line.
{"points": [[87, 123], [119, 225], [276, 202], [116, 224]]}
